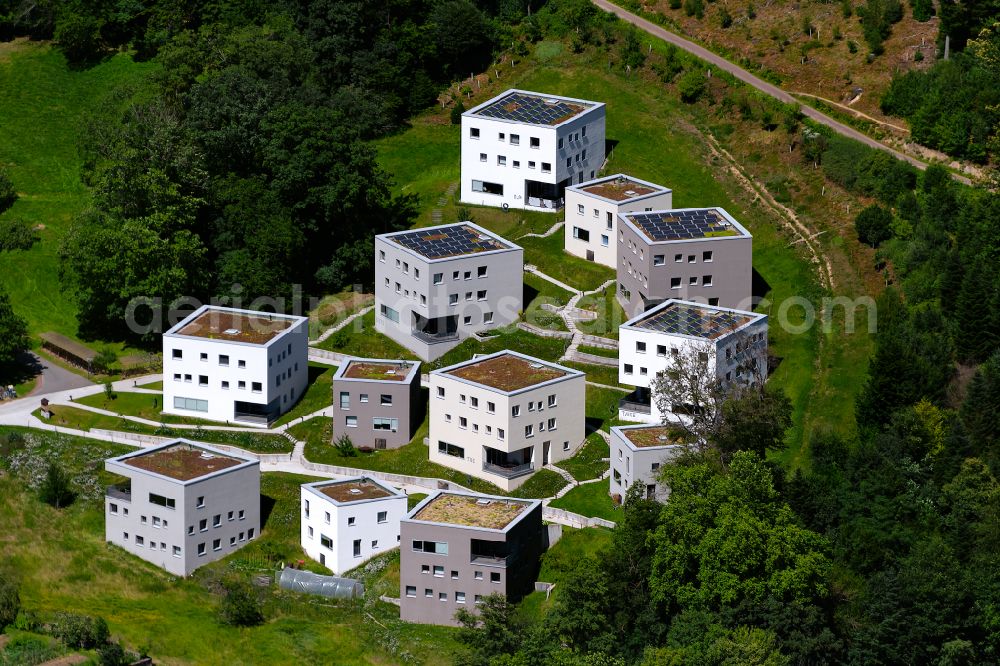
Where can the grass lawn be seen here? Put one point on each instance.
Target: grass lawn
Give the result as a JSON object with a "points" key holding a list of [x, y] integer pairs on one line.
{"points": [[543, 483], [361, 339], [333, 309], [590, 499], [176, 618], [588, 463], [318, 395], [509, 337], [610, 314], [538, 292], [412, 500], [42, 108], [142, 405], [598, 351], [602, 407], [153, 386], [600, 374], [82, 419], [318, 430], [558, 563], [550, 258]]}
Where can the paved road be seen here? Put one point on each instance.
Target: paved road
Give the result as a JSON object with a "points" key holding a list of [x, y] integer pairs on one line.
{"points": [[55, 378], [758, 83]]}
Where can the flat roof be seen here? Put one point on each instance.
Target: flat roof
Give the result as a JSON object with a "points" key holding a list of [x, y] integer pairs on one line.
{"points": [[494, 513], [353, 490], [377, 370], [654, 436], [533, 108], [182, 461], [508, 371], [452, 240], [620, 187], [685, 224], [231, 325], [692, 319]]}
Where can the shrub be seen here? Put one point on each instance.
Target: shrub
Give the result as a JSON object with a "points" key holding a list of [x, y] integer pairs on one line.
{"points": [[725, 18], [10, 601], [694, 8], [691, 86], [104, 361], [7, 193], [16, 234], [923, 10], [675, 4], [456, 113], [345, 447], [80, 631], [29, 650], [240, 605], [109, 390], [852, 46], [113, 654], [874, 225], [55, 488]]}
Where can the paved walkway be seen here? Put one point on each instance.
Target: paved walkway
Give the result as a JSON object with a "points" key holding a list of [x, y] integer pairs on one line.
{"points": [[554, 228], [758, 83], [341, 325]]}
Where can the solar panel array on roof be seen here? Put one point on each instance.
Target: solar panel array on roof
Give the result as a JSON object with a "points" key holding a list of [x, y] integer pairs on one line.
{"points": [[450, 241], [533, 109], [683, 224], [694, 321]]}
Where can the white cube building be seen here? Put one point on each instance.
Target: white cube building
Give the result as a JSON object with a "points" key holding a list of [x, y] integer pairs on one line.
{"points": [[238, 366], [503, 416], [436, 286], [637, 452], [346, 522], [592, 210], [522, 149], [183, 504], [735, 342]]}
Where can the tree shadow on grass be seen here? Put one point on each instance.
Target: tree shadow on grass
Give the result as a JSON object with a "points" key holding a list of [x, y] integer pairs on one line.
{"points": [[24, 368]]}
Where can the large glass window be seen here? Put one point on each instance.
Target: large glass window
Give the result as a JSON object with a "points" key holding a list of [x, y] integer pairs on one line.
{"points": [[451, 450], [190, 404], [487, 187]]}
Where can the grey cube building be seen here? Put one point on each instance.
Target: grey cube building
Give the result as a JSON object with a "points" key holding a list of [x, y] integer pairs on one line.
{"points": [[456, 548], [436, 286], [183, 505], [377, 402], [691, 254], [637, 452]]}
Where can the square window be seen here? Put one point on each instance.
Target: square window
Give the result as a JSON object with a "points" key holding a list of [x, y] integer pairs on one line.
{"points": [[201, 549], [217, 520], [515, 139], [482, 157], [438, 571], [546, 167], [385, 399], [478, 575], [438, 278], [350, 520], [203, 356], [217, 544], [440, 391], [474, 132], [706, 281], [534, 142], [501, 160], [363, 397], [411, 590], [495, 577], [487, 317], [706, 256], [675, 283], [640, 347], [531, 164], [225, 385], [383, 516], [628, 368]]}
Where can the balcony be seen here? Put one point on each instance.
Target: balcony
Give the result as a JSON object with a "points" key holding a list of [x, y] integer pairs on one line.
{"points": [[637, 401], [510, 470], [121, 492], [490, 560], [435, 338], [489, 553]]}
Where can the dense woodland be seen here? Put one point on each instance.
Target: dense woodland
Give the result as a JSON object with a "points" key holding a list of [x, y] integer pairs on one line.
{"points": [[246, 161]]}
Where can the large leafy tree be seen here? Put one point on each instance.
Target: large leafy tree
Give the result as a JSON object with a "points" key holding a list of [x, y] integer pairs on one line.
{"points": [[13, 331]]}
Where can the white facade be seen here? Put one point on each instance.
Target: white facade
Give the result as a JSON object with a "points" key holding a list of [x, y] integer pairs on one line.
{"points": [[178, 523], [509, 160], [346, 522], [644, 351], [635, 460], [436, 286], [592, 210], [251, 371], [505, 434]]}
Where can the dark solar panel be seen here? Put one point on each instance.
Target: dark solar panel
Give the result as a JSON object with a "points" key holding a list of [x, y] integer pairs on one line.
{"points": [[450, 241], [692, 320], [533, 109], [683, 224]]}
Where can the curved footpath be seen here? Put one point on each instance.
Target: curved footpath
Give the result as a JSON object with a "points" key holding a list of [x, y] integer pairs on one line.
{"points": [[758, 83], [19, 413]]}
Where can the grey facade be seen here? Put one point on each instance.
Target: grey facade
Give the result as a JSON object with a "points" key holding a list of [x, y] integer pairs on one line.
{"points": [[637, 453], [477, 561], [714, 269], [429, 296], [381, 413], [180, 524]]}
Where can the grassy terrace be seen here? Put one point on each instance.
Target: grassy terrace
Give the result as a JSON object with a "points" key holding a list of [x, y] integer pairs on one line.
{"points": [[471, 512], [588, 462], [590, 499], [318, 395], [81, 419], [334, 308], [176, 618], [507, 372]]}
